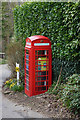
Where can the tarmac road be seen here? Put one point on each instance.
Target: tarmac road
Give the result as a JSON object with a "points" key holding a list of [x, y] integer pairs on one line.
{"points": [[9, 109]]}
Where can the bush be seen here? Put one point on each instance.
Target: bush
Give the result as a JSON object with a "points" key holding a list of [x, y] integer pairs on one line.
{"points": [[3, 61], [12, 84], [18, 87], [15, 53], [71, 93]]}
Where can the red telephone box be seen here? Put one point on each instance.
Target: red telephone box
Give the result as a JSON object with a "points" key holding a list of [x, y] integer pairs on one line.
{"points": [[38, 65]]}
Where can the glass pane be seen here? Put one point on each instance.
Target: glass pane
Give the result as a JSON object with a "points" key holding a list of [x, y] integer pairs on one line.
{"points": [[39, 83], [27, 67], [39, 67], [27, 81], [36, 63], [44, 73], [27, 56], [44, 78], [27, 87], [27, 72], [36, 83], [39, 88], [27, 77], [27, 62], [39, 78], [36, 58], [41, 73], [42, 83], [36, 78], [36, 68], [35, 52], [44, 88], [27, 51], [42, 52], [35, 73]]}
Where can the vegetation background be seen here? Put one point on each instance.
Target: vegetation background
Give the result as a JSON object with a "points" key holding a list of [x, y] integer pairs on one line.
{"points": [[60, 22]]}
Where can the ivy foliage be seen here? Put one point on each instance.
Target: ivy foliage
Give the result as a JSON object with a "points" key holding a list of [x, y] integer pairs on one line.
{"points": [[58, 21], [71, 93], [68, 68]]}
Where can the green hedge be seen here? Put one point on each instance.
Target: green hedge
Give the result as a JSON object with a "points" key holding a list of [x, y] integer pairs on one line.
{"points": [[68, 68], [71, 93], [59, 21]]}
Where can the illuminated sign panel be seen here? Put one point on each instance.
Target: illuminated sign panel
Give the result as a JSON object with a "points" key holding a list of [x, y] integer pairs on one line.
{"points": [[41, 44]]}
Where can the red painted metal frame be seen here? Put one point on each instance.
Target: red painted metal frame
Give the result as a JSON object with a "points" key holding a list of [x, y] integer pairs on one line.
{"points": [[31, 48]]}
